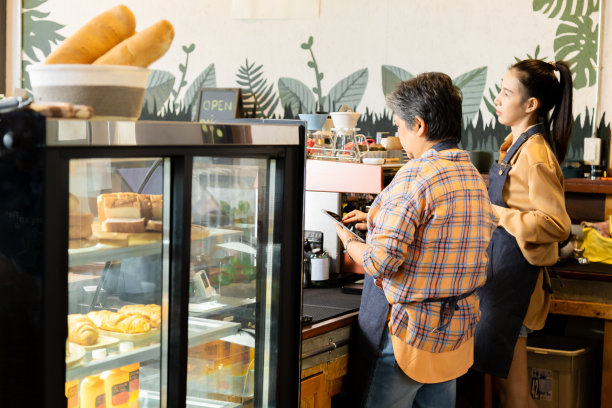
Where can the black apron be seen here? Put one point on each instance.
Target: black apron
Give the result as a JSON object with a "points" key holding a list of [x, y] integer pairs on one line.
{"points": [[372, 319], [505, 296]]}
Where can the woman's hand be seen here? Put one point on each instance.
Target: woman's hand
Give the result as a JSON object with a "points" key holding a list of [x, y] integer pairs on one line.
{"points": [[357, 217]]}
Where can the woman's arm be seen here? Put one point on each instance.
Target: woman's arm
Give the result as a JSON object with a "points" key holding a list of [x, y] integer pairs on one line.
{"points": [[548, 221]]}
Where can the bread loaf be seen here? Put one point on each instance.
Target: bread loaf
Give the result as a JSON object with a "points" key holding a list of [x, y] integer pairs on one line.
{"points": [[73, 203], [95, 38], [125, 225], [119, 205], [155, 226], [119, 322], [141, 49], [82, 330], [79, 225], [151, 311]]}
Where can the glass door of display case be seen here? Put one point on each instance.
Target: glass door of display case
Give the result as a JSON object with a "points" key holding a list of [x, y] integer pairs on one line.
{"points": [[117, 272], [232, 201]]}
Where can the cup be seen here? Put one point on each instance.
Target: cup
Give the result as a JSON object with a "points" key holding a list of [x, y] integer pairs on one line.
{"points": [[391, 143]]}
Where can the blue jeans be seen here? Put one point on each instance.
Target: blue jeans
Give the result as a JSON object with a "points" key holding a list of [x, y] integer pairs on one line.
{"points": [[391, 387]]}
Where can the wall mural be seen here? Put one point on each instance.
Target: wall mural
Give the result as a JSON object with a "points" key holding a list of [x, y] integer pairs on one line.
{"points": [[170, 97]]}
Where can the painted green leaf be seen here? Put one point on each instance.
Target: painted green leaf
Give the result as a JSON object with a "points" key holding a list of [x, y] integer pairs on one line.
{"points": [[391, 76], [472, 87], [258, 99], [39, 34], [565, 9], [348, 91], [159, 88], [206, 79], [490, 102], [576, 42], [295, 94], [30, 4]]}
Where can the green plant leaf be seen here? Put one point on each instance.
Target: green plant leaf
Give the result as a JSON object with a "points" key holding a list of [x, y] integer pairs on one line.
{"points": [[349, 90], [490, 102], [30, 4], [258, 99], [566, 8], [206, 79], [576, 42], [39, 34], [391, 76], [295, 94], [188, 50], [472, 86], [159, 88]]}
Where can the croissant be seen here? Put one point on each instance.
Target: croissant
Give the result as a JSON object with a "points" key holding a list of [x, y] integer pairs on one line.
{"points": [[152, 312], [81, 330], [119, 322]]}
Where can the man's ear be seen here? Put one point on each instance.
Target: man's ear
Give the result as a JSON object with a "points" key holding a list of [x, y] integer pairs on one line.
{"points": [[532, 104], [420, 127]]}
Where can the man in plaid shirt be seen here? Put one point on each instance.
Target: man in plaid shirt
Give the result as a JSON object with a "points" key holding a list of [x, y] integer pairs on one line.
{"points": [[425, 254]]}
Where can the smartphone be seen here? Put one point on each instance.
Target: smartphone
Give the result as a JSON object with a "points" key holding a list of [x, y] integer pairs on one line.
{"points": [[338, 220]]}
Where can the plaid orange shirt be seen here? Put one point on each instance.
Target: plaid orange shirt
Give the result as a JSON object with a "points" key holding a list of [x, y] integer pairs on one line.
{"points": [[428, 232]]}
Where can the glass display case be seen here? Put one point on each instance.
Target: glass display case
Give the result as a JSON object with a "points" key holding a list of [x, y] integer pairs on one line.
{"points": [[154, 264]]}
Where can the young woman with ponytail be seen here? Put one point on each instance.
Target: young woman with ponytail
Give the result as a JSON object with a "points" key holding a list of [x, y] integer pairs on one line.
{"points": [[526, 188]]}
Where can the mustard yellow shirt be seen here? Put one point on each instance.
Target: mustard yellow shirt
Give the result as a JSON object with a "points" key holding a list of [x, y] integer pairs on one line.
{"points": [[536, 214]]}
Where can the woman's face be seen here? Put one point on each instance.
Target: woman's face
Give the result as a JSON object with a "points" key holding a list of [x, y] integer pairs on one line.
{"points": [[511, 105]]}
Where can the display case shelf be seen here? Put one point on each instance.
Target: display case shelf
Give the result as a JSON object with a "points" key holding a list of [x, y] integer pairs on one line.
{"points": [[200, 331], [108, 253]]}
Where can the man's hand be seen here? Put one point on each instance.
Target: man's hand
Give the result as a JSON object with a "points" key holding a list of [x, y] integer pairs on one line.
{"points": [[357, 217]]}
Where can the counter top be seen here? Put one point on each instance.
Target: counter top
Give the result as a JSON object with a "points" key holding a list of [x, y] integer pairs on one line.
{"points": [[329, 308]]}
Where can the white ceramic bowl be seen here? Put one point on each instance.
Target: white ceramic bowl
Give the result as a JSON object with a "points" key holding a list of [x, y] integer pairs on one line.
{"points": [[113, 91], [345, 119]]}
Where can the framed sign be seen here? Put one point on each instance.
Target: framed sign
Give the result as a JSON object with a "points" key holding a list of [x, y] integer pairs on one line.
{"points": [[217, 104]]}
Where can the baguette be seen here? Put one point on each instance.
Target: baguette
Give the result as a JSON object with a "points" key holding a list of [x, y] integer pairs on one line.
{"points": [[141, 49], [82, 330], [95, 38]]}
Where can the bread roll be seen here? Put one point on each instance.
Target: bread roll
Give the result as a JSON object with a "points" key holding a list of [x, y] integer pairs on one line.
{"points": [[95, 38], [141, 49], [151, 311], [82, 330], [119, 322]]}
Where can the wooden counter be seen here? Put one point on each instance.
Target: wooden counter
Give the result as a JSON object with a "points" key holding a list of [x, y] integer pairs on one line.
{"points": [[323, 370]]}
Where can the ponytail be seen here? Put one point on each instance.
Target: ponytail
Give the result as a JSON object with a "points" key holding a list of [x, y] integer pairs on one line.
{"points": [[562, 118], [538, 78]]}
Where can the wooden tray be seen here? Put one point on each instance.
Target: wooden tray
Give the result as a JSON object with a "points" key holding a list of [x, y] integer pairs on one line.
{"points": [[131, 337], [102, 342], [74, 355]]}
